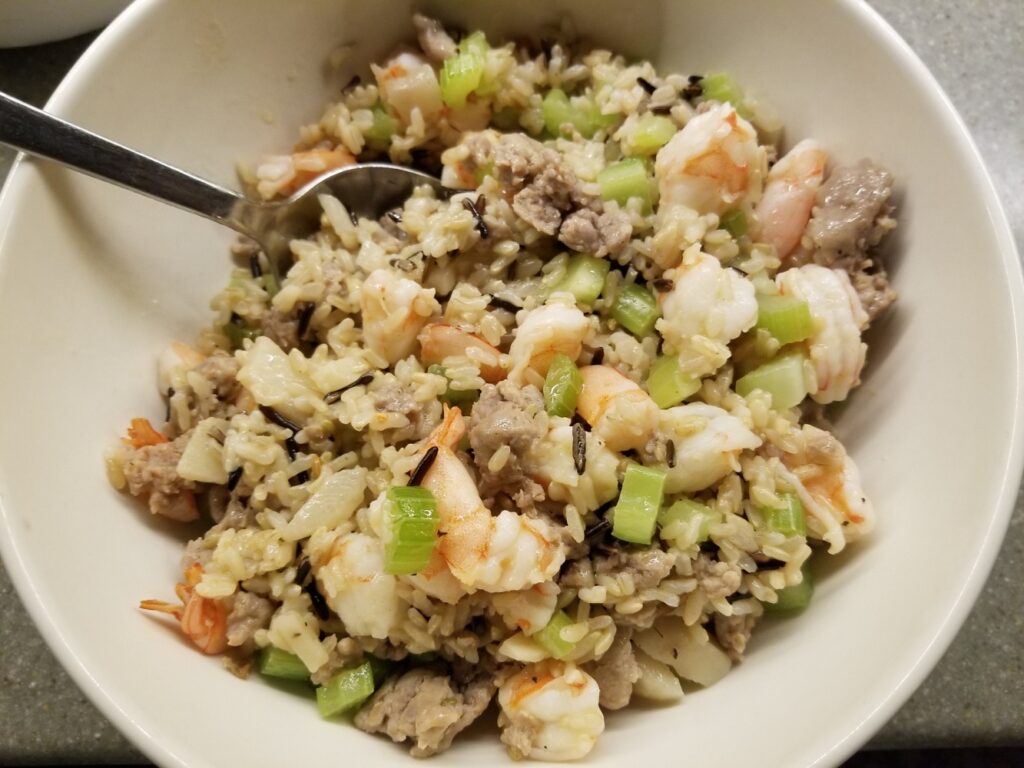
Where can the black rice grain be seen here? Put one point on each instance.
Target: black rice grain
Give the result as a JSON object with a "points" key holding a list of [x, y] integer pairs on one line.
{"points": [[425, 463], [332, 397], [579, 448]]}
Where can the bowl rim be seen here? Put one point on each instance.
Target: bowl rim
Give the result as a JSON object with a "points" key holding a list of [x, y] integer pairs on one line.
{"points": [[858, 733]]}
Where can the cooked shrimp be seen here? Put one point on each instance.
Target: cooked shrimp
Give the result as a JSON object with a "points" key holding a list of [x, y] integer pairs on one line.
{"points": [[394, 310], [549, 711], [829, 486], [551, 462], [708, 442], [711, 164], [708, 306], [836, 351], [349, 570], [789, 191], [437, 581], [493, 553], [619, 411], [284, 174], [440, 340], [527, 609], [407, 82], [203, 620], [542, 334]]}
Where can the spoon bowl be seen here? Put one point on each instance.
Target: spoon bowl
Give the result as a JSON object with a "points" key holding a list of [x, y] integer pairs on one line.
{"points": [[366, 189]]}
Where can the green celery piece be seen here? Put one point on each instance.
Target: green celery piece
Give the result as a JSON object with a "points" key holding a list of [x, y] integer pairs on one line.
{"points": [[562, 386], [273, 662], [460, 397], [378, 136], [380, 668], [475, 44], [636, 310], [238, 333], [721, 87], [636, 511], [787, 318], [625, 179], [781, 377], [460, 76], [794, 599], [558, 110], [414, 520], [584, 277], [687, 510], [346, 690], [668, 385], [550, 638], [651, 133], [734, 222], [788, 519]]}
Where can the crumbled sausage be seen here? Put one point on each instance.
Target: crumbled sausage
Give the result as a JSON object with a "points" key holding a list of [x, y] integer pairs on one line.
{"points": [[426, 707], [151, 471], [616, 671], [596, 233], [851, 216]]}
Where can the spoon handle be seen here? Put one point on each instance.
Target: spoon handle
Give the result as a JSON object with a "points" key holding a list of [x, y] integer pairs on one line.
{"points": [[35, 132]]}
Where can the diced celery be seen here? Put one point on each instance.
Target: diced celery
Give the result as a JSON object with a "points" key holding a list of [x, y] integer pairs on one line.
{"points": [[475, 44], [636, 310], [636, 511], [550, 638], [237, 333], [274, 662], [413, 518], [719, 86], [625, 179], [378, 136], [562, 386], [460, 397], [667, 384], [787, 318], [734, 222], [688, 510], [788, 519], [796, 598], [584, 277], [460, 76], [380, 668], [651, 133], [270, 283], [558, 110], [782, 378], [346, 690]]}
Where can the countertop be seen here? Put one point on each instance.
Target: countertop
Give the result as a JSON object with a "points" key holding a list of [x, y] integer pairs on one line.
{"points": [[972, 698]]}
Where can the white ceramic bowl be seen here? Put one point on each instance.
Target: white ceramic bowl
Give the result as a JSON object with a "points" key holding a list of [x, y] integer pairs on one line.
{"points": [[28, 22], [94, 281]]}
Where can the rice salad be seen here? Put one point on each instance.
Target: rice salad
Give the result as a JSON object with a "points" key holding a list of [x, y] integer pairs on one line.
{"points": [[554, 439]]}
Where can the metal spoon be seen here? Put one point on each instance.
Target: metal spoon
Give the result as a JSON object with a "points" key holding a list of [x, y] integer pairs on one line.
{"points": [[366, 189]]}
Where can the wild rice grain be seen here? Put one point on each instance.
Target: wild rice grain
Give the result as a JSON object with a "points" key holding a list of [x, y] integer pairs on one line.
{"points": [[425, 463], [278, 419], [332, 397], [305, 315], [233, 477], [254, 266], [579, 448]]}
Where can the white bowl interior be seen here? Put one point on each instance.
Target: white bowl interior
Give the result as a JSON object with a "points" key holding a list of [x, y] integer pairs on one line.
{"points": [[94, 281]]}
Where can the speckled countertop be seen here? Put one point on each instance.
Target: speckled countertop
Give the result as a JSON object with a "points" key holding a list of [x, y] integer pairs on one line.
{"points": [[973, 697]]}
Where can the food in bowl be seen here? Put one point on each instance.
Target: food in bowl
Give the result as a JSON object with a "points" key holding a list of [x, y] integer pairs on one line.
{"points": [[555, 438]]}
